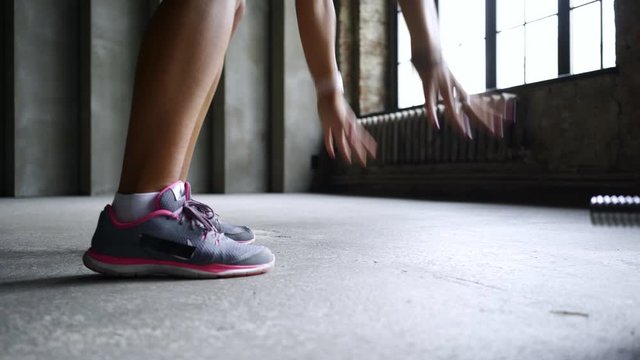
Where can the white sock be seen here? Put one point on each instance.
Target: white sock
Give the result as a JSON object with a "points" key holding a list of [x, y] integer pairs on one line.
{"points": [[130, 207]]}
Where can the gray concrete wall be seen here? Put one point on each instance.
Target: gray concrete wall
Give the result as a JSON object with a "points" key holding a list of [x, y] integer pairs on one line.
{"points": [[200, 172], [302, 131], [46, 90], [116, 30], [6, 96], [295, 129], [628, 90], [73, 82], [74, 66], [246, 166], [574, 125], [75, 63]]}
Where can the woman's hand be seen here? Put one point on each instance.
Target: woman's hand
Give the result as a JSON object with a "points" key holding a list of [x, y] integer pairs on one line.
{"points": [[459, 107], [342, 130], [438, 80], [421, 17]]}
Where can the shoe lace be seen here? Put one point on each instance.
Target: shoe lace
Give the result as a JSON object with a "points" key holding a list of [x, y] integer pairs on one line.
{"points": [[201, 215], [205, 211]]}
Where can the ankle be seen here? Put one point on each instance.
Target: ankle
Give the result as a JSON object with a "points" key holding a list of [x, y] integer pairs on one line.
{"points": [[131, 207]]}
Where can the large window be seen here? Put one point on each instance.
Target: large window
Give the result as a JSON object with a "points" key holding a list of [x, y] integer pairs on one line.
{"points": [[505, 43]]}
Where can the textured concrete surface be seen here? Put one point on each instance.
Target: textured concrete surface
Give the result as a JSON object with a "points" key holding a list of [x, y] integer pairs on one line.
{"points": [[355, 278], [71, 116], [628, 61], [46, 88], [247, 103], [302, 132], [116, 29], [578, 126]]}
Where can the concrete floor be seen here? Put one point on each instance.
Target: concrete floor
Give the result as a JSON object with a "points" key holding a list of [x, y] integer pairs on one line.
{"points": [[355, 278]]}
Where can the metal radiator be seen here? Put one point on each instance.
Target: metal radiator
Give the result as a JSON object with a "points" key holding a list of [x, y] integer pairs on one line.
{"points": [[406, 137]]}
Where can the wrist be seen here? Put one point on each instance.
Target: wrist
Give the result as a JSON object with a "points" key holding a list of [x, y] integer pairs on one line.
{"points": [[329, 86], [425, 60]]}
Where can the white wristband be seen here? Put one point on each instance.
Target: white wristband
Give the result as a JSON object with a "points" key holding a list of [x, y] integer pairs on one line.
{"points": [[329, 85]]}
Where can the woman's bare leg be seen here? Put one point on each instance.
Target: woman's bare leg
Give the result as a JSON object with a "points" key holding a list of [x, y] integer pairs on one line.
{"points": [[205, 106], [179, 66]]}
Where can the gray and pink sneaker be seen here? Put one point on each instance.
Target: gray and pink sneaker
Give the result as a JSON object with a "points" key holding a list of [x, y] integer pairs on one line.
{"points": [[177, 239]]}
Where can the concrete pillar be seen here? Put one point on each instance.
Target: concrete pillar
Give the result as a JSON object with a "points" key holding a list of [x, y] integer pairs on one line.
{"points": [[67, 86], [114, 32], [45, 98], [6, 99], [296, 132], [67, 93], [241, 129]]}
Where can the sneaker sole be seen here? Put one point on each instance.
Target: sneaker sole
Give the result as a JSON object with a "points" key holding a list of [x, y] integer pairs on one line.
{"points": [[131, 267]]}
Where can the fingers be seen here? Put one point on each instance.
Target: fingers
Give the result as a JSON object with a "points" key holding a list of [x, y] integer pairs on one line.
{"points": [[343, 133], [352, 139], [481, 111], [361, 142], [328, 143], [486, 110], [353, 135], [369, 143], [450, 105], [361, 153], [343, 145], [431, 97]]}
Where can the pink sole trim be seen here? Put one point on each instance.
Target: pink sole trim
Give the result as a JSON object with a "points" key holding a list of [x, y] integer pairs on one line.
{"points": [[211, 268]]}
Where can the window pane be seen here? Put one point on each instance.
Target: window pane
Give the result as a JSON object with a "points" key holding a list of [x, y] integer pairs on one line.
{"points": [[410, 91], [510, 57], [537, 9], [542, 49], [456, 26], [404, 40], [463, 45], [575, 3], [585, 38], [609, 34], [467, 62], [510, 13]]}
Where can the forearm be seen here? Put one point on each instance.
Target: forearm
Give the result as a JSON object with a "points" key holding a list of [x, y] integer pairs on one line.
{"points": [[422, 21], [317, 26]]}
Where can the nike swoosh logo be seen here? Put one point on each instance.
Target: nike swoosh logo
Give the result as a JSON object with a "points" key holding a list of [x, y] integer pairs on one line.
{"points": [[167, 247]]}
